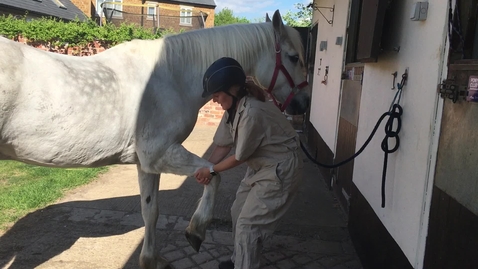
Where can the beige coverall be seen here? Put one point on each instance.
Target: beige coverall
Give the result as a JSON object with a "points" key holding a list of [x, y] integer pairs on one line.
{"points": [[264, 138]]}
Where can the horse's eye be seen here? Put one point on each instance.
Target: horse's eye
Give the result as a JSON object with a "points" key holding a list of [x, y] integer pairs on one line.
{"points": [[294, 59]]}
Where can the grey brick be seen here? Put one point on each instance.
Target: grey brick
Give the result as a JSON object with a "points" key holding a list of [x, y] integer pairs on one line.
{"points": [[285, 264], [183, 264], [201, 257], [174, 255]]}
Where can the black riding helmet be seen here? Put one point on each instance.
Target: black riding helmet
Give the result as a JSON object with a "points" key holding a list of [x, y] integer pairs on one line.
{"points": [[222, 75]]}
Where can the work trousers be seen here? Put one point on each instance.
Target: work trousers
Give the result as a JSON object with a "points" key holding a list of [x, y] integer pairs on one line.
{"points": [[263, 197]]}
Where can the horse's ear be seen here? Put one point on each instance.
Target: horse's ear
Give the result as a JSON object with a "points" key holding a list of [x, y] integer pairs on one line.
{"points": [[278, 24], [267, 18]]}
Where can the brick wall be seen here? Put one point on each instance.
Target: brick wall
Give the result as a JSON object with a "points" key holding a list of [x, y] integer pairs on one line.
{"points": [[87, 6], [168, 16], [87, 50], [210, 114]]}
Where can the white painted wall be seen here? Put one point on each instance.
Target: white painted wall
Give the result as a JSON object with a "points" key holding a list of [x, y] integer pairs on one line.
{"points": [[410, 169], [325, 98], [422, 51]]}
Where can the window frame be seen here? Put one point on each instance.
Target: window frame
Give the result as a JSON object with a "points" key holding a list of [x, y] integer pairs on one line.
{"points": [[185, 15], [116, 15], [154, 15]]}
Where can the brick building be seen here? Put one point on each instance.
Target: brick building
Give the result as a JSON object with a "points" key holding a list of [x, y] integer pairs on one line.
{"points": [[169, 15]]}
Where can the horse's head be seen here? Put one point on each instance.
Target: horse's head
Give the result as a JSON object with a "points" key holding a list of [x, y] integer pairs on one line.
{"points": [[283, 70]]}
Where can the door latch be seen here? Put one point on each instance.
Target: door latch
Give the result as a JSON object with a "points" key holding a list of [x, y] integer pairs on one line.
{"points": [[449, 89]]}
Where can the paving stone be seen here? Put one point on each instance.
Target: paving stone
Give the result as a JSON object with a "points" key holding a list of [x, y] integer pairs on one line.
{"points": [[171, 221], [269, 267], [339, 266], [208, 246], [81, 214], [210, 265], [133, 220], [273, 256], [168, 248], [354, 264], [332, 261], [282, 242], [183, 243], [162, 222], [202, 257], [215, 253], [318, 246], [184, 264], [189, 250], [174, 255], [181, 224], [301, 259], [313, 265], [285, 264], [108, 216], [224, 238]]}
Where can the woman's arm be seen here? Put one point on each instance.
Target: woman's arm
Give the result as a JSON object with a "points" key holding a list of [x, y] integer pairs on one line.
{"points": [[203, 175], [219, 153], [226, 164]]}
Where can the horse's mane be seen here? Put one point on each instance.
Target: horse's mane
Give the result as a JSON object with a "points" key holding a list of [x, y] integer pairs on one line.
{"points": [[200, 48]]}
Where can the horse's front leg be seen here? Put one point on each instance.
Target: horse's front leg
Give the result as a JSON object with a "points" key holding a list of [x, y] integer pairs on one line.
{"points": [[177, 160], [149, 189]]}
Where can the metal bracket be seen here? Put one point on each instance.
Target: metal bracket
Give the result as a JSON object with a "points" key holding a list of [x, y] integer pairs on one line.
{"points": [[331, 9], [449, 89]]}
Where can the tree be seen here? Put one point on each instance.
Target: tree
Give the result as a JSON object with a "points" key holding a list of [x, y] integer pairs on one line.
{"points": [[226, 16], [301, 18]]}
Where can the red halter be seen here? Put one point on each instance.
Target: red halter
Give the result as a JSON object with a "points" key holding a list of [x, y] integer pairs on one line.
{"points": [[281, 67]]}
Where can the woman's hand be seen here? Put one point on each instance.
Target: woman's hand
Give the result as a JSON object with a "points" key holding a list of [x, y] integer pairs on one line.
{"points": [[203, 176]]}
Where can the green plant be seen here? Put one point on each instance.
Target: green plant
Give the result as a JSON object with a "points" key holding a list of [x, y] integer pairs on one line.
{"points": [[24, 187], [73, 33]]}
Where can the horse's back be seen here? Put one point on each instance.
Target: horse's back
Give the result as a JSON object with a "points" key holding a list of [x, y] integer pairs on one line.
{"points": [[60, 110]]}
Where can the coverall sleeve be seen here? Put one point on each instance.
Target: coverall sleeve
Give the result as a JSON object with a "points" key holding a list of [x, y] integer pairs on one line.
{"points": [[251, 131], [223, 137]]}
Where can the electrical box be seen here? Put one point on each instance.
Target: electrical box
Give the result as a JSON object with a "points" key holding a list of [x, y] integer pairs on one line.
{"points": [[419, 11]]}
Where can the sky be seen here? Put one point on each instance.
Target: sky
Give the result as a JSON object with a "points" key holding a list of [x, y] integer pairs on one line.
{"points": [[255, 9]]}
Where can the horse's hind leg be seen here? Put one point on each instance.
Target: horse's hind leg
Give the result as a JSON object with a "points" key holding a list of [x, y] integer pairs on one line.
{"points": [[149, 189], [177, 160]]}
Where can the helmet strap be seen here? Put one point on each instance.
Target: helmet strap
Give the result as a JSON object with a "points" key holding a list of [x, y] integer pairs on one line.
{"points": [[232, 110]]}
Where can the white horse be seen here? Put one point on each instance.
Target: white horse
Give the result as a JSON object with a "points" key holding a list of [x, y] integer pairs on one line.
{"points": [[135, 104]]}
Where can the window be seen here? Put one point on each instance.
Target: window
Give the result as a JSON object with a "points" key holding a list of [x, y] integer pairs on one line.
{"points": [[370, 29], [110, 8], [151, 11], [186, 15]]}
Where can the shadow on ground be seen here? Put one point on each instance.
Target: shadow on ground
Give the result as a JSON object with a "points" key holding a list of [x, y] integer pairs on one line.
{"points": [[47, 233]]}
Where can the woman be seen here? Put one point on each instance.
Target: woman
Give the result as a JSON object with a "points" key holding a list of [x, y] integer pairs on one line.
{"points": [[266, 141]]}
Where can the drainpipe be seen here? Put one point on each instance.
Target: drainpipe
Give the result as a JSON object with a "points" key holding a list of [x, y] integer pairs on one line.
{"points": [[142, 12], [203, 20]]}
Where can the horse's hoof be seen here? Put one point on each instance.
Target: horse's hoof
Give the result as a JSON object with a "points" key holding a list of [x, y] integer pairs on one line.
{"points": [[194, 241]]}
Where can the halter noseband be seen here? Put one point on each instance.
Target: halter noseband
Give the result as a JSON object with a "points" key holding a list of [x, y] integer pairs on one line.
{"points": [[281, 67]]}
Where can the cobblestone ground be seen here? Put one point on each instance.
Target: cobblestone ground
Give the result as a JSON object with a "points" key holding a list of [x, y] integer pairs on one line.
{"points": [[100, 225]]}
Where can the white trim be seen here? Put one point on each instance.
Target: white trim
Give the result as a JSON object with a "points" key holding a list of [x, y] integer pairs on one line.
{"points": [[433, 152], [117, 15], [185, 19], [154, 15]]}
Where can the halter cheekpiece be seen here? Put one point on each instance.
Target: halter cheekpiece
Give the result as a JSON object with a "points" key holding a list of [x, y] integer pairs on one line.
{"points": [[280, 67]]}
